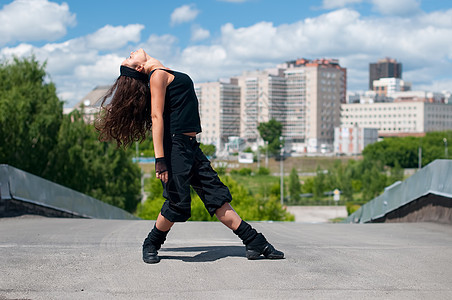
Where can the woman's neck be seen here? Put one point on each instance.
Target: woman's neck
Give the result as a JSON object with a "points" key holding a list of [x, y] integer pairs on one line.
{"points": [[152, 65]]}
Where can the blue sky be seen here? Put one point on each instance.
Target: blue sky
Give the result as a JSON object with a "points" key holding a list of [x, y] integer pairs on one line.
{"points": [[84, 42]]}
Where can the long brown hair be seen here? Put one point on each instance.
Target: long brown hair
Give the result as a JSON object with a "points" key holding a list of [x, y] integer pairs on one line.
{"points": [[127, 117]]}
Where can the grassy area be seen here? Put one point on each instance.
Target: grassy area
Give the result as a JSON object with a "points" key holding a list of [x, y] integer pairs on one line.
{"points": [[258, 184], [262, 184], [301, 164]]}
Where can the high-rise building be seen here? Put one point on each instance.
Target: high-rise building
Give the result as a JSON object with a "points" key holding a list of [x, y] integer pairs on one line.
{"points": [[219, 109], [384, 68], [321, 87], [303, 95], [263, 97]]}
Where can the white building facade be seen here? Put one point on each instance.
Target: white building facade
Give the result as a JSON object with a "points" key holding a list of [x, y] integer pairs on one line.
{"points": [[325, 92], [398, 118], [219, 109], [262, 99], [388, 86]]}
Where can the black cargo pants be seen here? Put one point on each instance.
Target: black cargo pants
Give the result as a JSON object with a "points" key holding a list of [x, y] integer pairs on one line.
{"points": [[188, 166]]}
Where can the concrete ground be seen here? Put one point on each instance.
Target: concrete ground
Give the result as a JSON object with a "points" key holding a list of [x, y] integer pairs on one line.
{"points": [[44, 258]]}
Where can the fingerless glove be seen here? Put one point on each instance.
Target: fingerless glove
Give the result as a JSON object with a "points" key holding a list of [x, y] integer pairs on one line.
{"points": [[160, 165]]}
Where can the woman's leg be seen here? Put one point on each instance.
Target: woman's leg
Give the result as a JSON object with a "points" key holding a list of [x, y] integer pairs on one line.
{"points": [[227, 215], [163, 224], [155, 239], [256, 244]]}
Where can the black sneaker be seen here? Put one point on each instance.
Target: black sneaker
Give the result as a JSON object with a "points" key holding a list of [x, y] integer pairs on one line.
{"points": [[150, 254], [268, 251]]}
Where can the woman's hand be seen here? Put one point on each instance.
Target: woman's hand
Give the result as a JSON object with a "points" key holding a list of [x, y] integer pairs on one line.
{"points": [[161, 170], [162, 176]]}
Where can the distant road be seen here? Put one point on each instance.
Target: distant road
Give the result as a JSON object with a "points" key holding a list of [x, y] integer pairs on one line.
{"points": [[317, 214]]}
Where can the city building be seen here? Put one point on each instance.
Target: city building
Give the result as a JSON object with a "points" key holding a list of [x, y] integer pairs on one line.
{"points": [[219, 109], [352, 140], [91, 103], [386, 87], [419, 96], [304, 95], [384, 68], [262, 98], [398, 118], [326, 88]]}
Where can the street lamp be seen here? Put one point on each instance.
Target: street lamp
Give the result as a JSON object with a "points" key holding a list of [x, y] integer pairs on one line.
{"points": [[266, 154], [445, 147], [281, 167]]}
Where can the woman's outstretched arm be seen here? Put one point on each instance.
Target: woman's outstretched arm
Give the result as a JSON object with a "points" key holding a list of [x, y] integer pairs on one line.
{"points": [[158, 83]]}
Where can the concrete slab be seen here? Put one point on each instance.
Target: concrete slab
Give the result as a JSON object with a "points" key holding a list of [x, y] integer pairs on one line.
{"points": [[43, 258]]}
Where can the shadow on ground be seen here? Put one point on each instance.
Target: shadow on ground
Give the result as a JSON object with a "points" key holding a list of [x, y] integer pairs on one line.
{"points": [[207, 253]]}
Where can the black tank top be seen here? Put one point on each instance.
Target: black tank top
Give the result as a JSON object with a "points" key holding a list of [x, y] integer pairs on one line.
{"points": [[181, 111]]}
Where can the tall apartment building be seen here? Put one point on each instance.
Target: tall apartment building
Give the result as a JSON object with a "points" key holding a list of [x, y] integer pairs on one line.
{"points": [[384, 68], [326, 87], [304, 95], [398, 118], [263, 97], [219, 109]]}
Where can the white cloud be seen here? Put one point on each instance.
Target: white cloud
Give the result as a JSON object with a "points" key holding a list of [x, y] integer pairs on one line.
{"points": [[34, 20], [437, 85], [162, 47], [419, 42], [183, 14], [330, 4], [110, 37], [344, 34], [198, 33], [399, 7], [440, 19], [105, 66]]}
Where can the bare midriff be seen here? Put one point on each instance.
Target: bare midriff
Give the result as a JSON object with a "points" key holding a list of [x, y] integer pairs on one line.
{"points": [[190, 133]]}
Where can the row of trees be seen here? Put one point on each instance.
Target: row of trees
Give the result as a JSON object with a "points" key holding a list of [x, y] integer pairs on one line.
{"points": [[251, 207], [405, 151], [358, 181], [383, 164], [36, 137]]}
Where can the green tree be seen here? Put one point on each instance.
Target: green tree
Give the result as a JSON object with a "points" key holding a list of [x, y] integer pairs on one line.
{"points": [[270, 132], [249, 207], [209, 150], [308, 186], [374, 182], [396, 173], [434, 147], [319, 184], [30, 115], [263, 171], [37, 138], [404, 150], [146, 147], [81, 162], [294, 186]]}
